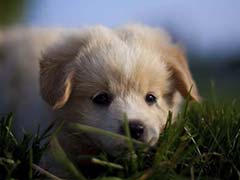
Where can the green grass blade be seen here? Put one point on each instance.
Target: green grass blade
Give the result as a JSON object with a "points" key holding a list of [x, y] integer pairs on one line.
{"points": [[59, 154], [133, 155], [90, 129], [106, 163]]}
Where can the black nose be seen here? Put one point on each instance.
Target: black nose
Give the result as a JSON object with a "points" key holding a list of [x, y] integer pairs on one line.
{"points": [[136, 129]]}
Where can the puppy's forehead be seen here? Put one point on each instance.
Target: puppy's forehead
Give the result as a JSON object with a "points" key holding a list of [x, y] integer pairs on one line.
{"points": [[111, 64]]}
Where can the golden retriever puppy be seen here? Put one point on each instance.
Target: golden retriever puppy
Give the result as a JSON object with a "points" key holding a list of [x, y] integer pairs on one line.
{"points": [[99, 75], [94, 76]]}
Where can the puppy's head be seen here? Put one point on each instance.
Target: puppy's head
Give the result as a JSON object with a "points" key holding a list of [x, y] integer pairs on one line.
{"points": [[100, 75]]}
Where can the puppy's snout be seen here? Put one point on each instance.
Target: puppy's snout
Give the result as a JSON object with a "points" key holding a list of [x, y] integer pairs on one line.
{"points": [[136, 129]]}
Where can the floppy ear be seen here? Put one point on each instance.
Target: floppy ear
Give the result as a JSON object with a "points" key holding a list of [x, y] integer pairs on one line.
{"points": [[182, 78], [57, 71]]}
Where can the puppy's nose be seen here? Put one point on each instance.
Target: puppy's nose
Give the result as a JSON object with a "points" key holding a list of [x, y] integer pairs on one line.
{"points": [[136, 129]]}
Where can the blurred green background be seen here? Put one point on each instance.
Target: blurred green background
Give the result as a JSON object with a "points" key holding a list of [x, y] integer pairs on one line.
{"points": [[11, 11]]}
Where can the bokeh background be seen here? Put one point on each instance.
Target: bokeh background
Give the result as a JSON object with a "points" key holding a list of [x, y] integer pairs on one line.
{"points": [[209, 30]]}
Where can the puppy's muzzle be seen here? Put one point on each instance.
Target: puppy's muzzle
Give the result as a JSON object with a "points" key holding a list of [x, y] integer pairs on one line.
{"points": [[136, 129]]}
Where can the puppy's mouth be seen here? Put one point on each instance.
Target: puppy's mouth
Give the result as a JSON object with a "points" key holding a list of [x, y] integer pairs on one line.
{"points": [[107, 141]]}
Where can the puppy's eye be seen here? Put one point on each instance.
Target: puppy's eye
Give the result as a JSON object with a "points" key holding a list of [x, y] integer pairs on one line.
{"points": [[102, 98], [150, 99]]}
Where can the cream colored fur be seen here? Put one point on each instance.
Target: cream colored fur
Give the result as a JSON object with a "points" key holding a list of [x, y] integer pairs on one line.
{"points": [[127, 62]]}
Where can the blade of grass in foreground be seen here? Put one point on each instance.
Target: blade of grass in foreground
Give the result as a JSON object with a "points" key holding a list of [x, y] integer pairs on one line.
{"points": [[61, 156], [133, 155], [90, 129], [44, 172], [106, 163]]}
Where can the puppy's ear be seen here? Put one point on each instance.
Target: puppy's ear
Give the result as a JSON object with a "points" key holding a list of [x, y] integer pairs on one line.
{"points": [[56, 72], [182, 78]]}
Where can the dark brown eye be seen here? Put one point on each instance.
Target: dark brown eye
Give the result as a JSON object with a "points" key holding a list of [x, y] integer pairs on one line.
{"points": [[150, 99], [102, 98]]}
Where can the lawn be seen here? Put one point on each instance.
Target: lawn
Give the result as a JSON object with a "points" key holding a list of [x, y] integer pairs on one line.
{"points": [[204, 143]]}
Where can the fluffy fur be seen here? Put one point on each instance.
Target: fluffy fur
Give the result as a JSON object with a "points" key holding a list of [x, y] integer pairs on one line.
{"points": [[127, 62]]}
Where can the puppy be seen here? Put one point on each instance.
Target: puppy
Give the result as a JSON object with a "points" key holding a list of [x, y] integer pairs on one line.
{"points": [[94, 76], [100, 75]]}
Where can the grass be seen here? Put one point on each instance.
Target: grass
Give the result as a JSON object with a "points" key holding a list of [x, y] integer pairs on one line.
{"points": [[18, 157], [204, 143]]}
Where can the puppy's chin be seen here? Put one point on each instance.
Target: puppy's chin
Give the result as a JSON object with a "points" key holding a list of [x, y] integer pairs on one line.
{"points": [[118, 148], [117, 151], [113, 146]]}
